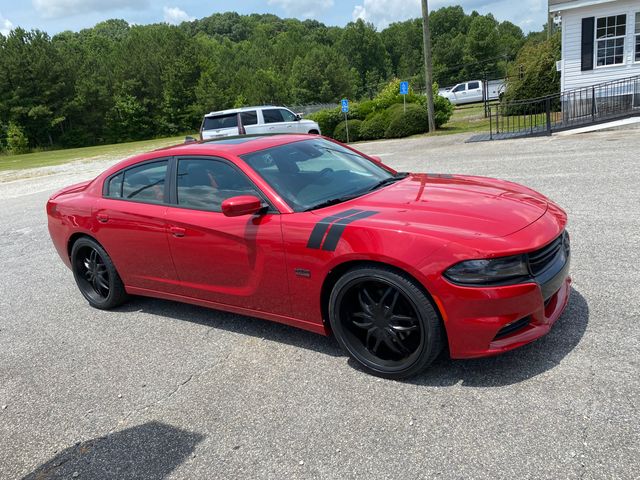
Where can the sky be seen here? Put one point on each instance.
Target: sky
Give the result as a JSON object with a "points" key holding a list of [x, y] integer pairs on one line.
{"points": [[54, 16]]}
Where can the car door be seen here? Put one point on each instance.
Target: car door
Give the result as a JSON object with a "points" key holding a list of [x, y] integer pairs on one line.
{"points": [[474, 92], [131, 226], [459, 93], [274, 119], [236, 261]]}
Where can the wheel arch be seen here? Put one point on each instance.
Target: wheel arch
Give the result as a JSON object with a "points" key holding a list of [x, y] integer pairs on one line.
{"points": [[336, 272], [77, 236]]}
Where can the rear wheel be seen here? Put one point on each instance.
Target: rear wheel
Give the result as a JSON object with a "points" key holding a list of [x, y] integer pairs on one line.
{"points": [[385, 322], [95, 275], [314, 132]]}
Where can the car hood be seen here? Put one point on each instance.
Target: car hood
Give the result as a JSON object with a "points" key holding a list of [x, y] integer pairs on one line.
{"points": [[463, 206]]}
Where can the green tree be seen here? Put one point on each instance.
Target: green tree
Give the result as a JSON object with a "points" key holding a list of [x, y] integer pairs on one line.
{"points": [[17, 141]]}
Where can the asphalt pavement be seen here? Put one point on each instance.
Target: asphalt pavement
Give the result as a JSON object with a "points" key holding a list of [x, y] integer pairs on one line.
{"points": [[158, 389]]}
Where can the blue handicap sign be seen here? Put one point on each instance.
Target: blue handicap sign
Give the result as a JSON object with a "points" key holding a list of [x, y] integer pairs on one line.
{"points": [[404, 88], [345, 105]]}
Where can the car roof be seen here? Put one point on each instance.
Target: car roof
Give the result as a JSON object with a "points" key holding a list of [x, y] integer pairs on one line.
{"points": [[226, 146], [239, 110]]}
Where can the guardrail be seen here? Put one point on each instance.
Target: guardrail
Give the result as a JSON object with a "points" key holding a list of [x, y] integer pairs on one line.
{"points": [[574, 108]]}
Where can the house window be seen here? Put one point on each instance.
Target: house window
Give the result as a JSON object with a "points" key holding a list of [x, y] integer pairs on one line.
{"points": [[638, 37], [610, 33]]}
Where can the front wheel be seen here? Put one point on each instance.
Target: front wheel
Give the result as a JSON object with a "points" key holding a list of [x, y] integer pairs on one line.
{"points": [[95, 275], [385, 322]]}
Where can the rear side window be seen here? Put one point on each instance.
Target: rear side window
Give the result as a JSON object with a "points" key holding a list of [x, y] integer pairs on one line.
{"points": [[145, 183], [229, 120], [114, 186], [474, 85], [272, 116]]}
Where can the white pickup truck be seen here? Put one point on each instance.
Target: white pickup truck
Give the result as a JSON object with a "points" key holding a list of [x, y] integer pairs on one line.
{"points": [[471, 92], [255, 120]]}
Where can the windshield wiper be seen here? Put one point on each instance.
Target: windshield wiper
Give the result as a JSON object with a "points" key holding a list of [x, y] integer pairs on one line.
{"points": [[387, 181], [332, 201]]}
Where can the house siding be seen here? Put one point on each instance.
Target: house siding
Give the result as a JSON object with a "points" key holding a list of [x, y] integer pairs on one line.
{"points": [[572, 76]]}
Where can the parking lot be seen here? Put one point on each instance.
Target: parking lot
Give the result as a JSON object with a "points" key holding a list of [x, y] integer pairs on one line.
{"points": [[158, 389]]}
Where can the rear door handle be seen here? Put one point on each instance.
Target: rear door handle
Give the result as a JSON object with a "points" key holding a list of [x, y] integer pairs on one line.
{"points": [[177, 232], [102, 217]]}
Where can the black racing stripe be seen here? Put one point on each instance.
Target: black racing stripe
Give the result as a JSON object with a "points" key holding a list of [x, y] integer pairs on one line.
{"points": [[320, 228], [333, 237]]}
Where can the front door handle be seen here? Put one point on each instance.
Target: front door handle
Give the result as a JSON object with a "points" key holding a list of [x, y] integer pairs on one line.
{"points": [[177, 232], [102, 217]]}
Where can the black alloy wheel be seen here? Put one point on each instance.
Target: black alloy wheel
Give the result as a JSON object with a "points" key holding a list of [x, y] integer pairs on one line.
{"points": [[385, 321], [96, 275]]}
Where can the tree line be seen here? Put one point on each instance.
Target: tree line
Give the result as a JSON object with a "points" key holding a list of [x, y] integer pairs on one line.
{"points": [[117, 82]]}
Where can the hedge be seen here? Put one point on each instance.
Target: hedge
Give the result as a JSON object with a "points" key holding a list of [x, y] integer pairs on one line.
{"points": [[340, 132]]}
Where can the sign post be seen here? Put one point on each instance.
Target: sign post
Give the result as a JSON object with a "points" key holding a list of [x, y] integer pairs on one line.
{"points": [[345, 110], [404, 91]]}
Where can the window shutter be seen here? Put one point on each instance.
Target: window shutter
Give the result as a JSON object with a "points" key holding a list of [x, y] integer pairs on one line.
{"points": [[588, 25]]}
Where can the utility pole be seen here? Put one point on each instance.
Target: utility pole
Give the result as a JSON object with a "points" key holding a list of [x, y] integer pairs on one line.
{"points": [[426, 37]]}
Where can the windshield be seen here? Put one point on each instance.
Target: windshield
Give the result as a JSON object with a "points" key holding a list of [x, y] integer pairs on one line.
{"points": [[315, 173]]}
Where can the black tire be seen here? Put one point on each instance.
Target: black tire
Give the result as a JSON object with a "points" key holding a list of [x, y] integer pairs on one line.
{"points": [[385, 322], [314, 132], [96, 276]]}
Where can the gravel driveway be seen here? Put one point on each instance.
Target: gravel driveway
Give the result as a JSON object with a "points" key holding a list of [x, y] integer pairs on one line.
{"points": [[163, 390]]}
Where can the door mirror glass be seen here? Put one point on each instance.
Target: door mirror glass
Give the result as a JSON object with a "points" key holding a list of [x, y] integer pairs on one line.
{"points": [[241, 205]]}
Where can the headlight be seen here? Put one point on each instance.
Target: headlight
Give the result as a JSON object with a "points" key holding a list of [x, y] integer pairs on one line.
{"points": [[504, 270]]}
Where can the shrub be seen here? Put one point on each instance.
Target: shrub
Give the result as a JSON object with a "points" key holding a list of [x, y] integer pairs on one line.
{"points": [[375, 126], [340, 132], [328, 119], [442, 109], [360, 111], [404, 124], [17, 141]]}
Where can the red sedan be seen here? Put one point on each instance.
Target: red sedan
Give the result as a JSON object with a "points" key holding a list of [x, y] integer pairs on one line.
{"points": [[312, 233]]}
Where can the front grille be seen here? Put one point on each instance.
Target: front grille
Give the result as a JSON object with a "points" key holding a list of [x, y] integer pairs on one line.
{"points": [[543, 258], [512, 327]]}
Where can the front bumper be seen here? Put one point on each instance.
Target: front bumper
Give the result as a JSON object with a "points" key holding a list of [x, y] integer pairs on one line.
{"points": [[475, 318]]}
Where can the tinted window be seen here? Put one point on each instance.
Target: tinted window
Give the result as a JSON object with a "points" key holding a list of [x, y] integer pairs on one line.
{"points": [[474, 85], [311, 172], [249, 118], [203, 184], [145, 183], [272, 116], [221, 121], [459, 88], [287, 115], [114, 188]]}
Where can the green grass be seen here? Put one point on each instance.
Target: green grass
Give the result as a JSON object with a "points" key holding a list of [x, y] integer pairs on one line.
{"points": [[465, 119], [57, 157]]}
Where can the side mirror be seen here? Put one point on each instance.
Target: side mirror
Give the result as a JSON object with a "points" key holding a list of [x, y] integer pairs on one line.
{"points": [[241, 205], [298, 117], [375, 158]]}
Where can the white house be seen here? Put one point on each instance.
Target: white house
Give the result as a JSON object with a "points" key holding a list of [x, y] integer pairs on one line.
{"points": [[600, 40]]}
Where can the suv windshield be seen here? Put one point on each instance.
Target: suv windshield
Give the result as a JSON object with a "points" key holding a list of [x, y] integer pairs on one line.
{"points": [[315, 173]]}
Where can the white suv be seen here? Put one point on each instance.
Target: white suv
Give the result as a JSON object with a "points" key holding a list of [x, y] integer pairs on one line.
{"points": [[255, 120]]}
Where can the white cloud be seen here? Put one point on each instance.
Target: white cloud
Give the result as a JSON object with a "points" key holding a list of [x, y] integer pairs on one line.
{"points": [[176, 16], [303, 8], [5, 25], [67, 8], [383, 12]]}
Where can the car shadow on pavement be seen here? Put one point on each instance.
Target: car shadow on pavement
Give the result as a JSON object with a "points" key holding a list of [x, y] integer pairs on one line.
{"points": [[234, 323], [516, 365], [151, 450]]}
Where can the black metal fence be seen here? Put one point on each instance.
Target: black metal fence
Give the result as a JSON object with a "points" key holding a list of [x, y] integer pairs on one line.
{"points": [[571, 109]]}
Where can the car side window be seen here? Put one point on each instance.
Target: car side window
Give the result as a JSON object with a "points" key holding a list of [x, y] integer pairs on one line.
{"points": [[474, 85], [459, 88], [145, 183], [203, 184], [272, 116], [249, 118], [114, 186], [287, 115]]}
